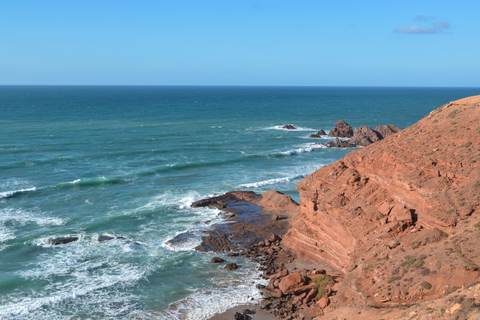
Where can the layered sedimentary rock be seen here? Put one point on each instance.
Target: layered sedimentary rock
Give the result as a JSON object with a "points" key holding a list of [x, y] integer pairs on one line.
{"points": [[396, 216]]}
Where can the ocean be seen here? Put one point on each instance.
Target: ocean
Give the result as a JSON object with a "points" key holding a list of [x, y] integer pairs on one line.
{"points": [[127, 162]]}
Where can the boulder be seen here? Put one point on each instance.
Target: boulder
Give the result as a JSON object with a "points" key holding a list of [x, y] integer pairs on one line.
{"points": [[63, 240], [240, 316], [289, 283], [289, 127], [217, 260], [342, 130], [231, 266]]}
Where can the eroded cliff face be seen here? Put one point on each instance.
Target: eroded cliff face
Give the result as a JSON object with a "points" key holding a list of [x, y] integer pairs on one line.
{"points": [[369, 214]]}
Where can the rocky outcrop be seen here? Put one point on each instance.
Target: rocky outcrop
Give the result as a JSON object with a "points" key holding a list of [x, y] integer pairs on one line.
{"points": [[221, 202], [277, 200], [341, 130], [364, 136], [289, 127], [397, 216], [386, 131]]}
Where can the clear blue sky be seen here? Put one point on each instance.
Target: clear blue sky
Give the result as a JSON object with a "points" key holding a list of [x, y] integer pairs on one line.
{"points": [[240, 42]]}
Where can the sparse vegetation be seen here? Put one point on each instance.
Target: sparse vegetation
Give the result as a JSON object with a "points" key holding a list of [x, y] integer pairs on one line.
{"points": [[412, 261], [321, 283], [477, 225], [418, 263], [450, 211], [368, 266], [453, 123], [453, 113], [466, 144], [392, 279]]}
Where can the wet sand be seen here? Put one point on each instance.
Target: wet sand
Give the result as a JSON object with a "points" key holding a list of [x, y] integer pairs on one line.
{"points": [[258, 314]]}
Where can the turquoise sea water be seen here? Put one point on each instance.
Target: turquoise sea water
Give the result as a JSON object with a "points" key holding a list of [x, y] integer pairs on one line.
{"points": [[128, 162]]}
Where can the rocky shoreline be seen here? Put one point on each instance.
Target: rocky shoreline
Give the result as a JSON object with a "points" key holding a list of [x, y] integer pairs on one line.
{"points": [[254, 227]]}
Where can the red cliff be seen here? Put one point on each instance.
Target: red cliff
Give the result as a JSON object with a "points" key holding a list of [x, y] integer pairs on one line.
{"points": [[397, 216]]}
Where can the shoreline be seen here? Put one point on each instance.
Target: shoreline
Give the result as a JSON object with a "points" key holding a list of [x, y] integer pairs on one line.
{"points": [[253, 228]]}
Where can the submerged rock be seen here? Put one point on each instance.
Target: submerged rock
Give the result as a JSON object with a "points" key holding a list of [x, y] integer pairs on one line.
{"points": [[63, 240]]}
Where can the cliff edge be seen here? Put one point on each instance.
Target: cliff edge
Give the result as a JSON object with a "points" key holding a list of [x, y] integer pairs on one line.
{"points": [[398, 219]]}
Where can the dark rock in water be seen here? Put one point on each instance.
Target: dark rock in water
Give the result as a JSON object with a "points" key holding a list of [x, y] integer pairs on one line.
{"points": [[231, 266], [341, 130], [364, 136], [105, 238], [63, 240], [217, 260], [221, 202], [232, 254], [319, 134], [340, 144], [289, 127], [385, 131], [240, 316]]}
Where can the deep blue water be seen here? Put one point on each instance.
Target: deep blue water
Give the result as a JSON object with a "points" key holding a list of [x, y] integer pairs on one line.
{"points": [[128, 161]]}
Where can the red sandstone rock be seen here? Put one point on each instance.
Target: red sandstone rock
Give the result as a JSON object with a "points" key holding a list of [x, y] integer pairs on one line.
{"points": [[323, 302], [292, 281], [275, 199], [403, 211]]}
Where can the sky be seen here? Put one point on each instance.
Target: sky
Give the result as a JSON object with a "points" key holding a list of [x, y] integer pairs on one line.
{"points": [[240, 42]]}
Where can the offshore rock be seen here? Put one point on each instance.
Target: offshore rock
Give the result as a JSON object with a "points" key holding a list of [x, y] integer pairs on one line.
{"points": [[386, 131], [63, 240], [340, 144], [319, 134], [341, 130], [364, 136], [289, 127]]}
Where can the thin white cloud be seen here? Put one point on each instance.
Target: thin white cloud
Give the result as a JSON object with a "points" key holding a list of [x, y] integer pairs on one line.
{"points": [[436, 27], [415, 30], [424, 18], [441, 25]]}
